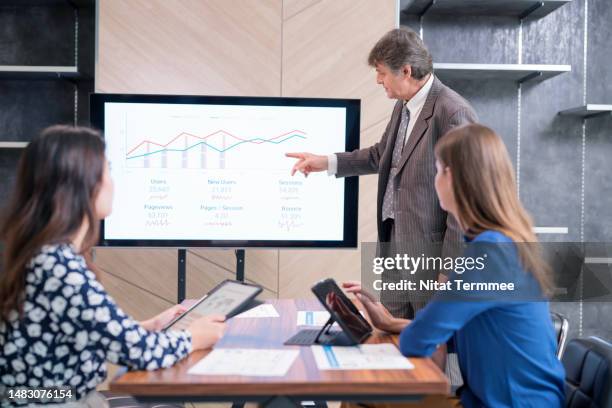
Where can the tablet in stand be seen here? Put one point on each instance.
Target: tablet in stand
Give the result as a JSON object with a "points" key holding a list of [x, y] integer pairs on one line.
{"points": [[324, 336]]}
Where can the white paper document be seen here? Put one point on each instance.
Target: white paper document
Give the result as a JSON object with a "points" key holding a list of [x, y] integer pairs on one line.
{"points": [[364, 357], [248, 362], [312, 318], [265, 310]]}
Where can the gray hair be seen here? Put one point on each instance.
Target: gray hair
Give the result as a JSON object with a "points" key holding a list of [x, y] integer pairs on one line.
{"points": [[399, 47]]}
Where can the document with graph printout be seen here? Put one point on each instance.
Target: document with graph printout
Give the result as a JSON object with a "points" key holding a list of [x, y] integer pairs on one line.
{"points": [[363, 357], [261, 311], [248, 362]]}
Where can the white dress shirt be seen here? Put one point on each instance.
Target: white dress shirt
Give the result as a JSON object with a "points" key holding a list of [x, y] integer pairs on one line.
{"points": [[414, 106]]}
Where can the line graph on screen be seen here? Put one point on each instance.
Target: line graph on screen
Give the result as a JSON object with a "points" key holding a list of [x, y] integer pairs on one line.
{"points": [[209, 151]]}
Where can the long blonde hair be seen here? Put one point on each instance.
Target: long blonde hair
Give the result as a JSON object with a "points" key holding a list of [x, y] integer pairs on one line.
{"points": [[485, 191]]}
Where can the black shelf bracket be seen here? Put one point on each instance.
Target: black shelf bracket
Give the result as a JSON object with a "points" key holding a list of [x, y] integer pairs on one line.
{"points": [[592, 115], [529, 77], [531, 10], [426, 8]]}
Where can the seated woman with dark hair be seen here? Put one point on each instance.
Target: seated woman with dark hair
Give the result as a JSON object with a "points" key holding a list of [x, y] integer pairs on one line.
{"points": [[58, 326]]}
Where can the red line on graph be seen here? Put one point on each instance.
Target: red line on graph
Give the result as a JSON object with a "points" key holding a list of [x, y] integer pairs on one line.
{"points": [[206, 137]]}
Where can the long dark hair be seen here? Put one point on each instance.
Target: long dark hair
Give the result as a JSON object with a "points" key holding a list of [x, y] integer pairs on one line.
{"points": [[58, 178]]}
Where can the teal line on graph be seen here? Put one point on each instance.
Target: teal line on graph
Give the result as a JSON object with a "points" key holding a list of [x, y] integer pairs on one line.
{"points": [[212, 147]]}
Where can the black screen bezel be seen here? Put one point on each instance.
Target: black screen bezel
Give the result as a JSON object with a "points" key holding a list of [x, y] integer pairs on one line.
{"points": [[351, 184]]}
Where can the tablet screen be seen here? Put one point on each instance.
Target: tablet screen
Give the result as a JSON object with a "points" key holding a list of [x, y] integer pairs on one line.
{"points": [[221, 301], [336, 302]]}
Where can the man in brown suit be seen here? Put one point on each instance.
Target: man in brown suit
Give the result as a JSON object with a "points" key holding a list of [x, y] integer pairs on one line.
{"points": [[407, 206]]}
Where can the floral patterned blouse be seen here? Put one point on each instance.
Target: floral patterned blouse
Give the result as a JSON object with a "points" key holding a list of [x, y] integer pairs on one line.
{"points": [[70, 328]]}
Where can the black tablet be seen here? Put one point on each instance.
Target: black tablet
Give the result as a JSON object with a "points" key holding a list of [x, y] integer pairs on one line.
{"points": [[226, 299], [342, 310]]}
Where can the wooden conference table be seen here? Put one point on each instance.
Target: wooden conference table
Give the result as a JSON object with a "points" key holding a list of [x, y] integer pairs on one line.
{"points": [[303, 380]]}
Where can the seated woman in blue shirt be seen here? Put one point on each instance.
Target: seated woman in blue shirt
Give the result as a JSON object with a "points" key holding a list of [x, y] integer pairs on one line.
{"points": [[505, 343], [58, 325]]}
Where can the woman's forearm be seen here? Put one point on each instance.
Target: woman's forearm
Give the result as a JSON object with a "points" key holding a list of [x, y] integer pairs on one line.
{"points": [[149, 325], [439, 356], [396, 325]]}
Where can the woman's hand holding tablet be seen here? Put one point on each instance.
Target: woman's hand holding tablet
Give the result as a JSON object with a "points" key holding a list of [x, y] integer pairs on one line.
{"points": [[206, 331], [226, 300]]}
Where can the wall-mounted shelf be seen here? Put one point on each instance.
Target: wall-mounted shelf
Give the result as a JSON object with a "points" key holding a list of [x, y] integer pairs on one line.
{"points": [[37, 3], [13, 145], [588, 111], [550, 230], [511, 72], [522, 9], [38, 72], [598, 260]]}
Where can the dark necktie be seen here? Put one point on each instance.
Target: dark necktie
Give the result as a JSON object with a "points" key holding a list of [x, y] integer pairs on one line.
{"points": [[388, 208]]}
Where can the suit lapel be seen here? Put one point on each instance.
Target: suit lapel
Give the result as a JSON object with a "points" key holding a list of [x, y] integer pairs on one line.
{"points": [[422, 123]]}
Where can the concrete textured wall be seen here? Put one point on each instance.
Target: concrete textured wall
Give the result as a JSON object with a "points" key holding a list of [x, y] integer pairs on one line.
{"points": [[40, 35], [565, 176], [43, 35]]}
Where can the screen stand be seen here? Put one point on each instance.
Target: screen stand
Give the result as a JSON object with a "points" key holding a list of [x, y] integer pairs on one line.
{"points": [[336, 338], [325, 329], [325, 337], [182, 271], [182, 274], [239, 265]]}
